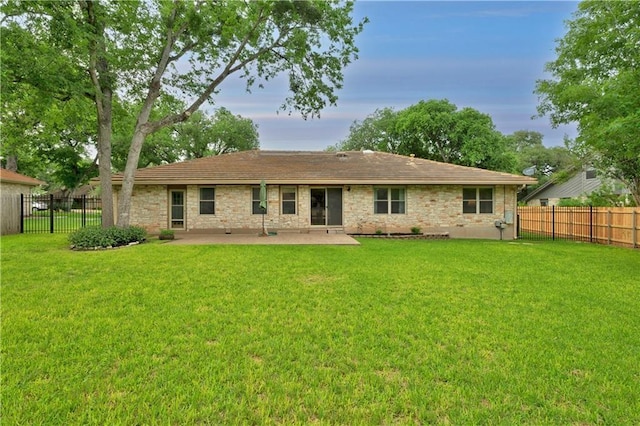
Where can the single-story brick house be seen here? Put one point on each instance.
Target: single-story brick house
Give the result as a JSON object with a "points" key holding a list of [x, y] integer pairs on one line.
{"points": [[355, 192]]}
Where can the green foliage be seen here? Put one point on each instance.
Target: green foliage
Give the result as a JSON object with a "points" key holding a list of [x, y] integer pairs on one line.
{"points": [[539, 161], [200, 136], [167, 234], [377, 132], [224, 132], [42, 103], [572, 202], [159, 148], [92, 237], [595, 84], [144, 51], [415, 230], [605, 196], [435, 130]]}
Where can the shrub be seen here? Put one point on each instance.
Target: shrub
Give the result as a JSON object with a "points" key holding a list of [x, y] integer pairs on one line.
{"points": [[92, 237], [415, 230], [166, 234]]}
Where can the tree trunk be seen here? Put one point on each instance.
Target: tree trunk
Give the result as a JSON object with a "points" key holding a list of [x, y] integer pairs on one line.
{"points": [[102, 81], [124, 200], [104, 160], [634, 188], [12, 163]]}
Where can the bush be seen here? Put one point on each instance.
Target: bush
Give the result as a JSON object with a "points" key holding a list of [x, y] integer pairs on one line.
{"points": [[166, 234], [92, 237]]}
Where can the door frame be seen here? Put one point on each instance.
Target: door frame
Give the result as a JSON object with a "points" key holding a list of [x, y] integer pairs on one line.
{"points": [[327, 207], [184, 209]]}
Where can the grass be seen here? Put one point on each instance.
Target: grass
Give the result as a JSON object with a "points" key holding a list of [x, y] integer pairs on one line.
{"points": [[390, 332]]}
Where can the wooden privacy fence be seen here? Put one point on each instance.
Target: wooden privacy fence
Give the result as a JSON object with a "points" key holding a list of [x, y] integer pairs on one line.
{"points": [[604, 225], [10, 214]]}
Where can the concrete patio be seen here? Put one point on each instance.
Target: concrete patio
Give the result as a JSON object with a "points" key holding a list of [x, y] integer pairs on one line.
{"points": [[202, 238]]}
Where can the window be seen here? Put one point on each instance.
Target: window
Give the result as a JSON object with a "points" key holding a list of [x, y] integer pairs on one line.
{"points": [[389, 200], [207, 201], [477, 200], [255, 202], [591, 174], [544, 202], [288, 200]]}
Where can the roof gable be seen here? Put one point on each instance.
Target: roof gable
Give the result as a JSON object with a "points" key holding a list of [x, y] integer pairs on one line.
{"points": [[12, 177], [319, 167], [576, 183]]}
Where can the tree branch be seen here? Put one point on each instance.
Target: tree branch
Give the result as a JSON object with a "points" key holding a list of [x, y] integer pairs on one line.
{"points": [[229, 69]]}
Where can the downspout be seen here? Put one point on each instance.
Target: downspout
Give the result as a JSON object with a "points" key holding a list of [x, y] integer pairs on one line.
{"points": [[504, 209]]}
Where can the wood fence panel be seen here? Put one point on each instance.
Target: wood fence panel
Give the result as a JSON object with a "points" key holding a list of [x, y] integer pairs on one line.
{"points": [[10, 214], [605, 225]]}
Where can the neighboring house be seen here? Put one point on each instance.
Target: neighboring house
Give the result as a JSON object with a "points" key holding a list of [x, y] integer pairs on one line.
{"points": [[578, 184], [352, 192], [83, 191], [13, 184]]}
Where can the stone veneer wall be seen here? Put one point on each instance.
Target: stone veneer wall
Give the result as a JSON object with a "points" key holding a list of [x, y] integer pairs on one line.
{"points": [[149, 207], [435, 208], [233, 210]]}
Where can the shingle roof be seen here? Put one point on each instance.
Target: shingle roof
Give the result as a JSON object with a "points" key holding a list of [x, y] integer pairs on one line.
{"points": [[318, 167], [13, 177]]}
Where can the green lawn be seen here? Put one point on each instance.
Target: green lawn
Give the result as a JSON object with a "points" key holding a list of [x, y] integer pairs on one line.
{"points": [[389, 332]]}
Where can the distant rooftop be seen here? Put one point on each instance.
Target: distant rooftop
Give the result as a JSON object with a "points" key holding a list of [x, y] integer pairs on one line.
{"points": [[12, 177]]}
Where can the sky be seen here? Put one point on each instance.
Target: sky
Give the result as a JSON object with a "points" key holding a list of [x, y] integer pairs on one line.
{"points": [[485, 55]]}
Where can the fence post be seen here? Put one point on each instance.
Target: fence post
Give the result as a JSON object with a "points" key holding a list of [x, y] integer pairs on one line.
{"points": [[634, 229], [609, 227], [590, 224], [51, 208], [84, 211], [22, 213], [553, 223]]}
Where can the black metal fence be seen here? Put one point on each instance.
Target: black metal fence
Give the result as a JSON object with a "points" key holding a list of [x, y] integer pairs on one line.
{"points": [[49, 214]]}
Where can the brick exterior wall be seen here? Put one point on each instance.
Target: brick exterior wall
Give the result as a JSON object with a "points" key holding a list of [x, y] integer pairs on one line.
{"points": [[433, 209]]}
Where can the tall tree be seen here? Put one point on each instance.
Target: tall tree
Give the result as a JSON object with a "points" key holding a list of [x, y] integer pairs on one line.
{"points": [[224, 132], [376, 132], [65, 61], [143, 49], [47, 128], [434, 130], [595, 84], [310, 41], [535, 158], [200, 136], [160, 147]]}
